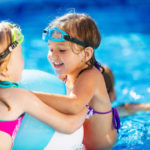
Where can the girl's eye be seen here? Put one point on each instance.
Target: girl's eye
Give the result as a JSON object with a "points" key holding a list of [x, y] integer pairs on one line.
{"points": [[62, 50], [50, 50]]}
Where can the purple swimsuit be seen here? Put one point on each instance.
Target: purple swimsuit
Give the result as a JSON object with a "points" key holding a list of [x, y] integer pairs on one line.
{"points": [[115, 120], [91, 111]]}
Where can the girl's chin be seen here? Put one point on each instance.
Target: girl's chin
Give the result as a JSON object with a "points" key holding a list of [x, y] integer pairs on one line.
{"points": [[58, 72]]}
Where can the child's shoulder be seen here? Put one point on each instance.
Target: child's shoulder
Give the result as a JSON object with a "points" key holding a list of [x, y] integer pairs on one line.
{"points": [[92, 73], [23, 96], [93, 76], [20, 93]]}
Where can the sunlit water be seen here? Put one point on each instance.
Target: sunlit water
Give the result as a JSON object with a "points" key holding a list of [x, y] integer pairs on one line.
{"points": [[124, 47]]}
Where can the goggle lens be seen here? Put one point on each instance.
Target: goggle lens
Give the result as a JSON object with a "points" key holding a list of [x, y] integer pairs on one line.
{"points": [[56, 34], [16, 34]]}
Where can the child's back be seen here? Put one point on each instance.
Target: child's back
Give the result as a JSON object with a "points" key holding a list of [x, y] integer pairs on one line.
{"points": [[99, 131]]}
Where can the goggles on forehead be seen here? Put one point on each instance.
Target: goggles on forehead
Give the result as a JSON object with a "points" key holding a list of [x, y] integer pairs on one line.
{"points": [[58, 35], [16, 39]]}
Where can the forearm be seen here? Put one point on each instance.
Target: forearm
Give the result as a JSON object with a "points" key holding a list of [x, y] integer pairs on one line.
{"points": [[133, 107], [73, 122], [62, 103], [59, 121]]}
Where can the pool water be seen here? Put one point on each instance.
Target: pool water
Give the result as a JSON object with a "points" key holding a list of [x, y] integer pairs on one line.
{"points": [[134, 133], [125, 46]]}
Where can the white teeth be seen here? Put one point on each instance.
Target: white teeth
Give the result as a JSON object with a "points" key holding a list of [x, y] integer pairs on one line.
{"points": [[57, 63]]}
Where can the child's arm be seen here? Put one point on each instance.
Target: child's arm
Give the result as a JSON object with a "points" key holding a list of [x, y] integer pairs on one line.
{"points": [[133, 107], [65, 104], [80, 95], [58, 121]]}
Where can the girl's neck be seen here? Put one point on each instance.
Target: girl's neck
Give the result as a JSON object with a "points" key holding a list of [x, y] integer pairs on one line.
{"points": [[70, 81], [6, 78], [72, 77]]}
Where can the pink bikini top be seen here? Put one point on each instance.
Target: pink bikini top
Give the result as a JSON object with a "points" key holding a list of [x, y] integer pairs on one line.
{"points": [[11, 127]]}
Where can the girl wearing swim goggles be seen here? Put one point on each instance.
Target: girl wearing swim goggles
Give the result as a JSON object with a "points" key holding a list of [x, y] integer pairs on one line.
{"points": [[72, 40], [15, 102]]}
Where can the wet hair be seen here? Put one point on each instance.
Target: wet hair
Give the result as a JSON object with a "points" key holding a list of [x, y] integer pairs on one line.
{"points": [[109, 79], [83, 28], [5, 41]]}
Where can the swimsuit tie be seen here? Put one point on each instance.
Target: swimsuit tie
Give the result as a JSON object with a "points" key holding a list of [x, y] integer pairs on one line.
{"points": [[7, 84], [116, 119]]}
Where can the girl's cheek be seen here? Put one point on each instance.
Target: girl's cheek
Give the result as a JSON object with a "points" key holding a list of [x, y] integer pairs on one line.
{"points": [[49, 55]]}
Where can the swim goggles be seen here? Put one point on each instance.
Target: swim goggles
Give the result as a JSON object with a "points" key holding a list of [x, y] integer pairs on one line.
{"points": [[16, 39], [58, 35]]}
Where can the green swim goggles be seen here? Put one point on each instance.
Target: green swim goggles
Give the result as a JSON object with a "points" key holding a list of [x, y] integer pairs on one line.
{"points": [[16, 39], [58, 35]]}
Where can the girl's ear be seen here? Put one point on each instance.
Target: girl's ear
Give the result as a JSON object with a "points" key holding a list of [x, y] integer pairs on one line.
{"points": [[4, 71], [88, 53]]}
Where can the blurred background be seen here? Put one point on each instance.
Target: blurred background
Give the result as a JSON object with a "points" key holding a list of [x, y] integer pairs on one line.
{"points": [[123, 24], [125, 47]]}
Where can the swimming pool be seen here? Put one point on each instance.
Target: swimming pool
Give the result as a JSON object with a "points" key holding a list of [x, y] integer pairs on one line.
{"points": [[124, 47]]}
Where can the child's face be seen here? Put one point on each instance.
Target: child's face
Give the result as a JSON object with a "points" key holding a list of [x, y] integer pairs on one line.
{"points": [[16, 64], [63, 59]]}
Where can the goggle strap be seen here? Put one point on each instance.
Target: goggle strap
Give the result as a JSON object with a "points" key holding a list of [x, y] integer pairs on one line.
{"points": [[9, 49], [68, 38], [5, 54], [13, 45]]}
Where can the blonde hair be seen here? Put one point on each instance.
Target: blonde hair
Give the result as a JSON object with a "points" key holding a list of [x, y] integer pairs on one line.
{"points": [[5, 41], [81, 27]]}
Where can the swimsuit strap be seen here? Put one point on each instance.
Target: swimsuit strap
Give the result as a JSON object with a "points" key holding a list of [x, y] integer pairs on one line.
{"points": [[96, 112], [7, 84], [99, 67]]}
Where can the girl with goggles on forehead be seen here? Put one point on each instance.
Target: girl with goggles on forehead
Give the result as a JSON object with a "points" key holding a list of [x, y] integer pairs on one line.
{"points": [[72, 40], [14, 102]]}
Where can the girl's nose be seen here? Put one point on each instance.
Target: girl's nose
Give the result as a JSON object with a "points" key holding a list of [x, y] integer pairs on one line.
{"points": [[52, 55]]}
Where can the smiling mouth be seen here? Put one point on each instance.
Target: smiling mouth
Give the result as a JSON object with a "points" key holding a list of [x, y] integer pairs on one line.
{"points": [[57, 65]]}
